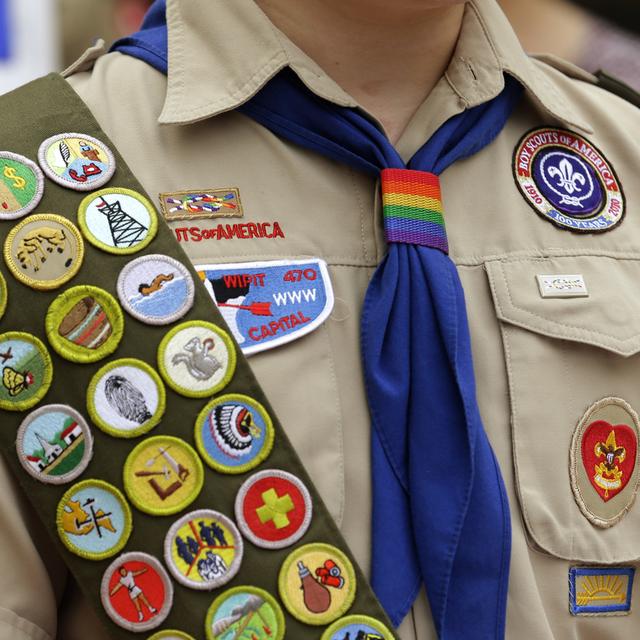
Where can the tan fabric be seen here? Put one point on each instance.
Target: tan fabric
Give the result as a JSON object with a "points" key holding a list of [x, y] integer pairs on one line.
{"points": [[539, 363]]}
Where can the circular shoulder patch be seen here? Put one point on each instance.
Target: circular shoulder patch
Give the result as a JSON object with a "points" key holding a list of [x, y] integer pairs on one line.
{"points": [[163, 475], [118, 220], [27, 371], [234, 433], [245, 608], [94, 520], [197, 359], [273, 509], [568, 180], [126, 398], [84, 324], [357, 627], [136, 592], [170, 634], [54, 444], [203, 550], [44, 251], [317, 583], [156, 289], [76, 161], [21, 185]]}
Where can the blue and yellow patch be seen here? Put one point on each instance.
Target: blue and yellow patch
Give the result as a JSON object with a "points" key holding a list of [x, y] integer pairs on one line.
{"points": [[600, 590]]}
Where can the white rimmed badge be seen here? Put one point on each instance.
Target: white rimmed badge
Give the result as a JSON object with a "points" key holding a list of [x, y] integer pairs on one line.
{"points": [[21, 185]]}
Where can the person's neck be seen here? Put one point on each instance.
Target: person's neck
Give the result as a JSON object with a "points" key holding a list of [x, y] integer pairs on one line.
{"points": [[387, 57]]}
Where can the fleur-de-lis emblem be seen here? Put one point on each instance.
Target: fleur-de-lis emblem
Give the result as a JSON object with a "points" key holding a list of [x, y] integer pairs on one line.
{"points": [[568, 179]]}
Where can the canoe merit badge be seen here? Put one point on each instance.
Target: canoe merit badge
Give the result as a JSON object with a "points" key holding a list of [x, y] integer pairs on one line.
{"points": [[136, 592], [357, 627], [76, 161], [54, 444], [21, 185], [94, 520], [245, 612], [201, 204], [603, 459], [203, 550], [317, 584], [44, 251], [568, 181], [234, 433], [604, 591], [266, 304], [163, 475]]}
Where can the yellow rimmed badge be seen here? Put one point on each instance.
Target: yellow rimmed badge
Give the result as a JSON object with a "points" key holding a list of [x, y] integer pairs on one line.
{"points": [[170, 634], [357, 627], [4, 295]]}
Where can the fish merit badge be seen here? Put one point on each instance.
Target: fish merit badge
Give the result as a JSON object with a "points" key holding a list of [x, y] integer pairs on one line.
{"points": [[266, 304], [358, 628], [21, 185], [199, 205], [602, 591]]}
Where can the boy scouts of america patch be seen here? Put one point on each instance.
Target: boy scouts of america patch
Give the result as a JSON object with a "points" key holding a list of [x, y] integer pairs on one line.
{"points": [[266, 304], [170, 634], [203, 550], [604, 591], [21, 185], [198, 205], [357, 627], [245, 608], [603, 461], [568, 180], [54, 444]]}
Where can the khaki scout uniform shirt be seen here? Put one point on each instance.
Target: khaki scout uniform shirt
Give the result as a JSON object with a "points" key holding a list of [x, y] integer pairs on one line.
{"points": [[538, 368]]}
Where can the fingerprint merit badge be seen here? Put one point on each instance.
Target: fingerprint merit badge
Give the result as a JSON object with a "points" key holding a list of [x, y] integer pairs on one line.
{"points": [[21, 185]]}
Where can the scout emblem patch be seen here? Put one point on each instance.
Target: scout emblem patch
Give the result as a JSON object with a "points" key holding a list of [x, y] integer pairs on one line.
{"points": [[245, 612], [266, 304], [273, 509], [600, 590], [94, 520], [26, 369], [44, 251], [163, 475], [136, 592], [234, 433], [603, 459], [170, 634], [126, 398], [54, 444], [317, 583], [76, 161], [568, 180], [156, 289], [203, 550], [198, 205], [21, 185], [358, 628]]}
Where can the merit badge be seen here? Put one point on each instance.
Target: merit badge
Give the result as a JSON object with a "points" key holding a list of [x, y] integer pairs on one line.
{"points": [[156, 289], [245, 612], [126, 398], [21, 185], [76, 161], [170, 634], [197, 359], [600, 590], [206, 203], [603, 461], [317, 583], [136, 592], [118, 220], [94, 520], [84, 324], [163, 475], [4, 295], [203, 550], [44, 251], [266, 304], [27, 371], [234, 433], [54, 444], [357, 627], [568, 180], [273, 509]]}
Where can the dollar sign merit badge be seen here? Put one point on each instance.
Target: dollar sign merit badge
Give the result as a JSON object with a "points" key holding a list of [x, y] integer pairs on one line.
{"points": [[18, 182]]}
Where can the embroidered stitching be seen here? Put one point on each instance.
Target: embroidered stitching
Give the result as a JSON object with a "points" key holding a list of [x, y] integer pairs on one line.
{"points": [[21, 186], [355, 626]]}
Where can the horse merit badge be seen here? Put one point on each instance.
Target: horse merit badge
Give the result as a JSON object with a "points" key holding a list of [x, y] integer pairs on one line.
{"points": [[356, 627], [21, 186], [266, 304]]}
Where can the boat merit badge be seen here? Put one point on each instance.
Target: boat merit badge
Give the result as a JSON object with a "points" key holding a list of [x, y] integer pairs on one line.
{"points": [[603, 461], [21, 185], [355, 627], [266, 304], [136, 592], [76, 161], [604, 591], [317, 584], [54, 444], [245, 612], [163, 475], [568, 180], [203, 550], [94, 520], [201, 204], [44, 251], [273, 509]]}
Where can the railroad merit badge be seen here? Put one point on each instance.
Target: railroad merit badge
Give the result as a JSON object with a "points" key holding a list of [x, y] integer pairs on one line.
{"points": [[21, 185], [266, 304], [568, 180], [600, 590], [201, 204]]}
